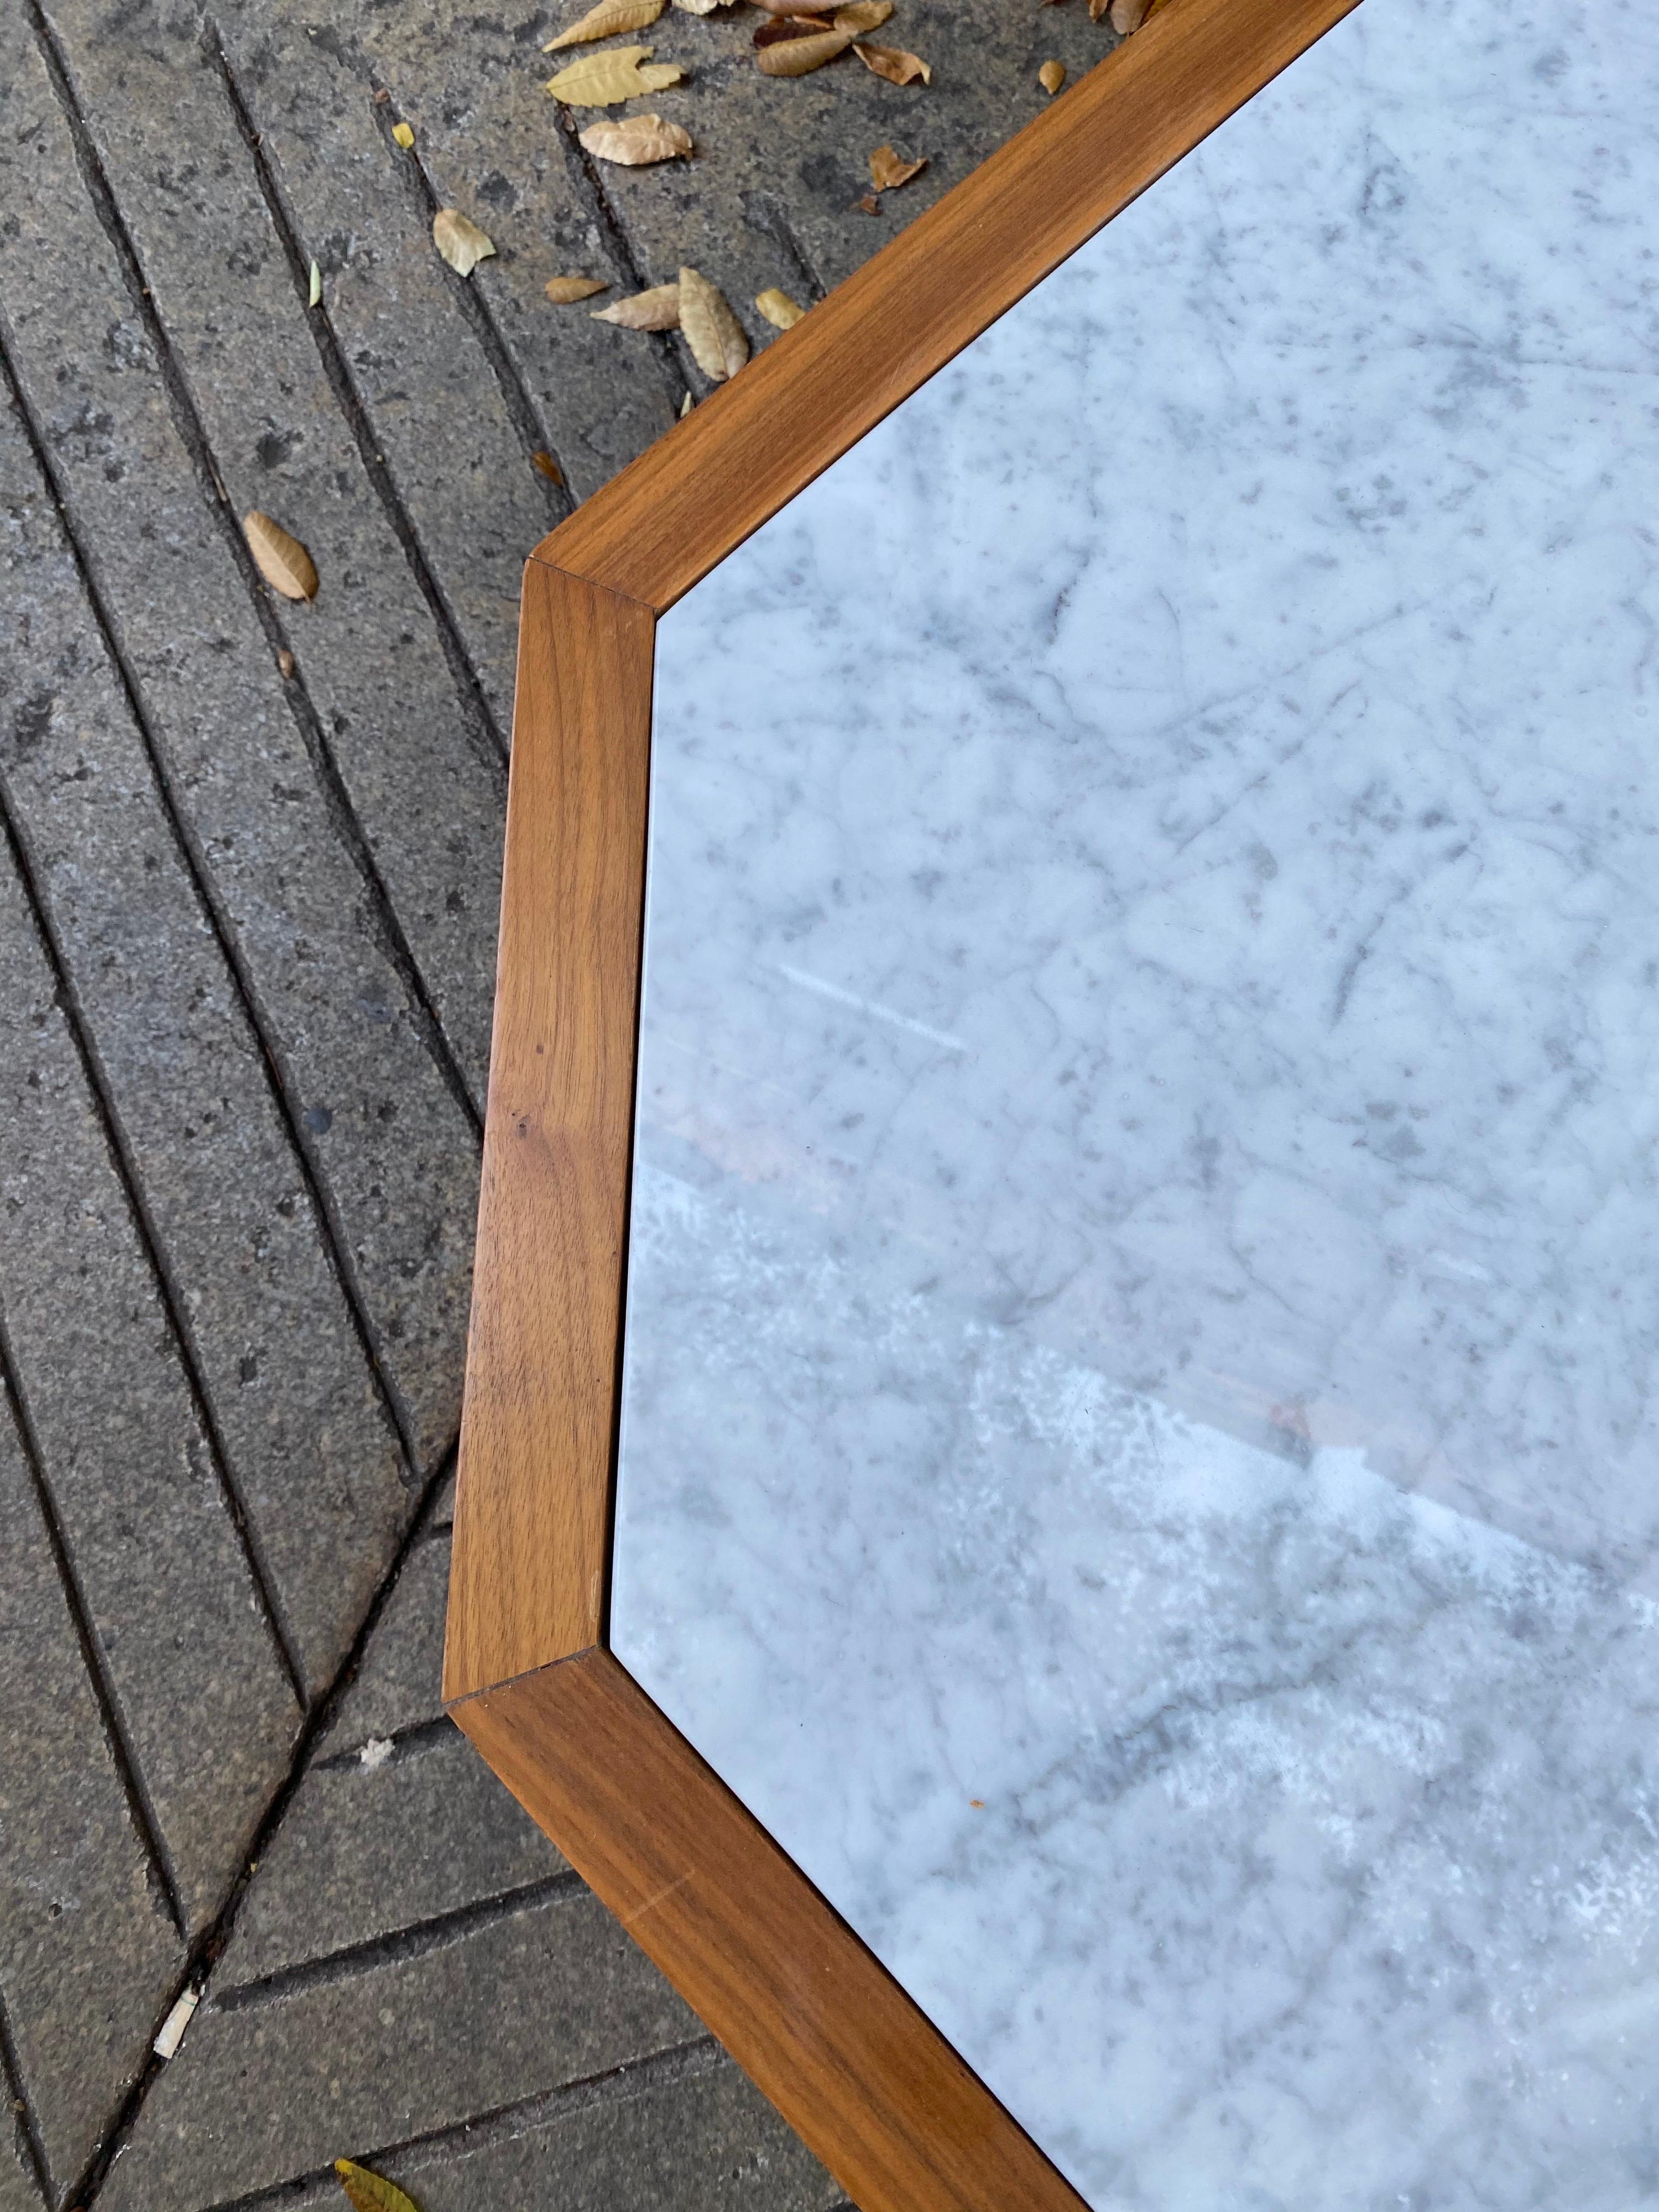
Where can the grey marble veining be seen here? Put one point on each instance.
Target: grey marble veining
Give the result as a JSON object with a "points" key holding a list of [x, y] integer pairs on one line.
{"points": [[1140, 1428]]}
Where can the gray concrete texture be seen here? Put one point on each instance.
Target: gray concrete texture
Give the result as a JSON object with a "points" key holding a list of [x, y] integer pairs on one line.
{"points": [[249, 866]]}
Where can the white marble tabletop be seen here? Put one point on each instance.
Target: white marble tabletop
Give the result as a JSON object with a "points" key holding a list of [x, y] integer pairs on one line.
{"points": [[1140, 1451]]}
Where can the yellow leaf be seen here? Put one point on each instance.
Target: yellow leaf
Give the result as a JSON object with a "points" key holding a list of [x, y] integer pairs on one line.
{"points": [[602, 80], [893, 63], [403, 135], [281, 559], [314, 298], [606, 20], [641, 139], [686, 405], [459, 240], [888, 172], [563, 291], [1051, 76], [372, 2192], [711, 331], [778, 309], [863, 15], [796, 57], [658, 309]]}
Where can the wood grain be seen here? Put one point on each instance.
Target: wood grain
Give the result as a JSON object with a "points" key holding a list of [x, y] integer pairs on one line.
{"points": [[667, 520], [532, 1505], [811, 2015]]}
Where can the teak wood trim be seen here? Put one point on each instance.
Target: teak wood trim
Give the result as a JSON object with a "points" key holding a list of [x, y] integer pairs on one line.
{"points": [[821, 2026], [532, 1503], [840, 2048], [667, 520]]}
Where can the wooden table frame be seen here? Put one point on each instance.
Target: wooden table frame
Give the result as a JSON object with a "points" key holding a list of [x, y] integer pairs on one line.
{"points": [[809, 2012]]}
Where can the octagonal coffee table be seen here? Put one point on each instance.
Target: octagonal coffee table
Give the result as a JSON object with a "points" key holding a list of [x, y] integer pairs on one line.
{"points": [[1058, 1503]]}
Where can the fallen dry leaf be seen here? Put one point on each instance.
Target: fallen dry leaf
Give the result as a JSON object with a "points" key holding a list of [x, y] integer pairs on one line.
{"points": [[314, 297], [606, 20], [287, 664], [778, 309], [281, 559], [459, 240], [1051, 76], [658, 309], [711, 331], [863, 15], [641, 139], [371, 2192], [403, 135], [549, 467], [1127, 16], [892, 63], [698, 6], [619, 73], [798, 57], [888, 172], [796, 7], [686, 405], [565, 291]]}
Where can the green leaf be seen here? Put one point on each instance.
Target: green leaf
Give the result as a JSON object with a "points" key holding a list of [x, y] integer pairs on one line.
{"points": [[372, 2192]]}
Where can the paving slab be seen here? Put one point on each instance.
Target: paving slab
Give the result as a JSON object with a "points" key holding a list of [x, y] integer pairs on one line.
{"points": [[19, 2189], [390, 1143], [689, 2131], [424, 770], [351, 2064], [455, 442], [398, 1683], [87, 1951], [310, 1448], [190, 1657], [371, 1846]]}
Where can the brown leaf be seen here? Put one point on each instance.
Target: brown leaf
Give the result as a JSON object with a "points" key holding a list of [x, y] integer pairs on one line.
{"points": [[459, 240], [658, 309], [1127, 16], [403, 135], [863, 15], [372, 2192], [1051, 76], [549, 467], [870, 204], [711, 331], [888, 172], [287, 664], [564, 291], [892, 63], [606, 20], [776, 29], [796, 7], [281, 559], [778, 309], [641, 140], [794, 56], [617, 74]]}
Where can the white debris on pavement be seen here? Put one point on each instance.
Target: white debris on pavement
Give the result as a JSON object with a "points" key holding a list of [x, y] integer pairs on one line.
{"points": [[376, 1752], [173, 2028]]}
